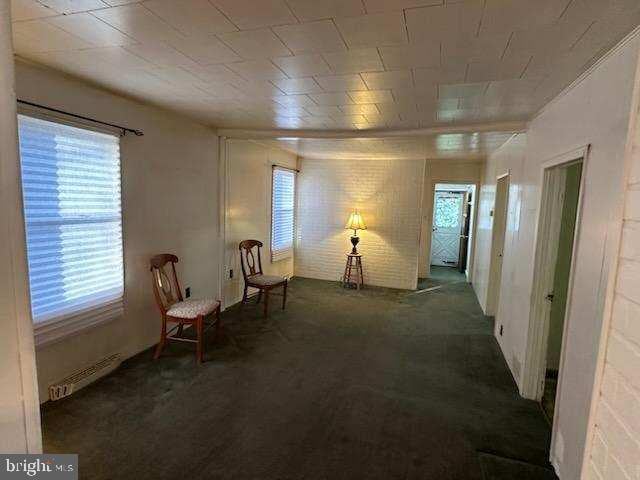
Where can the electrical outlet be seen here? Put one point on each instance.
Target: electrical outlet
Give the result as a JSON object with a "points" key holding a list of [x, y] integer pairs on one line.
{"points": [[231, 273], [501, 329], [187, 292]]}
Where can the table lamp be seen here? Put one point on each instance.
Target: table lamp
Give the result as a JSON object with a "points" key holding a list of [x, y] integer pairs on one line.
{"points": [[355, 223]]}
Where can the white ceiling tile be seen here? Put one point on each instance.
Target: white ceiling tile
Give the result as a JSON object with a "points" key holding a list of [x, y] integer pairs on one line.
{"points": [[559, 37], [474, 49], [37, 36], [73, 6], [176, 75], [191, 17], [137, 22], [115, 57], [363, 109], [385, 80], [373, 30], [374, 6], [349, 119], [411, 56], [323, 110], [312, 37], [435, 23], [29, 10], [354, 61], [249, 14], [92, 30], [426, 77], [205, 50], [214, 73], [508, 68], [372, 96], [308, 10], [341, 83], [297, 85], [160, 54], [117, 3], [257, 69], [462, 90], [331, 98], [302, 65], [509, 15], [254, 44], [295, 101]]}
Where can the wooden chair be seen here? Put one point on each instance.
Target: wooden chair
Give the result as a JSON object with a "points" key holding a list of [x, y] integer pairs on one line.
{"points": [[254, 277], [175, 309]]}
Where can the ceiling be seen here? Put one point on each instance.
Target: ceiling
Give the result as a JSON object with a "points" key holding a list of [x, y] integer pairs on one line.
{"points": [[463, 146], [327, 64]]}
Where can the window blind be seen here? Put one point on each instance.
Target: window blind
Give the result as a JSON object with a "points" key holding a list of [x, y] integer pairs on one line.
{"points": [[282, 213], [73, 220]]}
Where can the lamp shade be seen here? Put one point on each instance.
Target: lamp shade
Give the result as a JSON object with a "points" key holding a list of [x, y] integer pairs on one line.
{"points": [[355, 222]]}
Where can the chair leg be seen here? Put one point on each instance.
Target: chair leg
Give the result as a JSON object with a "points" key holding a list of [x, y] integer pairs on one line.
{"points": [[180, 329], [266, 303], [163, 338], [199, 352], [259, 296], [244, 296], [284, 295]]}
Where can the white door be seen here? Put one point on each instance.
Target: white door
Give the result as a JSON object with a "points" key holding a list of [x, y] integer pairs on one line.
{"points": [[447, 222]]}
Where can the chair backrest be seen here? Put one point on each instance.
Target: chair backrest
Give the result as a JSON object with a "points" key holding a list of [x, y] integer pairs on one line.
{"points": [[165, 285], [248, 259]]}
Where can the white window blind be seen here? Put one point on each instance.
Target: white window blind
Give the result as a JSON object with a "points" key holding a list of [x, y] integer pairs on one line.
{"points": [[71, 191], [282, 213]]}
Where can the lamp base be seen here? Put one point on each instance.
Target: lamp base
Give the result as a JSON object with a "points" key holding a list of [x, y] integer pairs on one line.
{"points": [[354, 242]]}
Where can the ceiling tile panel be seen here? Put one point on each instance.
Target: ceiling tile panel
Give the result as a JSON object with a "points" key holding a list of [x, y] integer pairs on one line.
{"points": [[160, 54], [475, 49], [29, 10], [341, 83], [510, 67], [37, 36], [426, 77], [312, 37], [384, 80], [191, 17], [509, 15], [436, 23], [257, 69], [411, 56], [297, 85], [137, 22], [205, 50], [308, 10], [323, 110], [254, 44], [355, 61], [249, 14], [374, 6], [338, 98], [295, 101], [363, 109], [92, 30], [374, 30], [73, 6], [372, 96], [302, 65], [462, 90]]}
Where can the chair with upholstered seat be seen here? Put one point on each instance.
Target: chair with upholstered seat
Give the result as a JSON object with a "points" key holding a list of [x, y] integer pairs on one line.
{"points": [[174, 308], [254, 277]]}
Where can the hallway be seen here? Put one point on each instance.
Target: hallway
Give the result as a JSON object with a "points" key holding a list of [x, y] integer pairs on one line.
{"points": [[375, 384]]}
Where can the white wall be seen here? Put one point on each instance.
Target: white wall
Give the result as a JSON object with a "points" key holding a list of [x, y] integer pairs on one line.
{"points": [[444, 171], [170, 204], [19, 412], [595, 111], [615, 450], [387, 193], [248, 207]]}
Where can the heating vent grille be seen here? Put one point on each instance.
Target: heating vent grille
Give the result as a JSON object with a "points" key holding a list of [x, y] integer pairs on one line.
{"points": [[81, 378]]}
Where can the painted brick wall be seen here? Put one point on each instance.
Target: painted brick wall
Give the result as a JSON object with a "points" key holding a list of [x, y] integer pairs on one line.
{"points": [[387, 193], [615, 453]]}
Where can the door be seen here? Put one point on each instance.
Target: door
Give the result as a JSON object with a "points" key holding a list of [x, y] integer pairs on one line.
{"points": [[497, 243], [464, 233], [447, 224]]}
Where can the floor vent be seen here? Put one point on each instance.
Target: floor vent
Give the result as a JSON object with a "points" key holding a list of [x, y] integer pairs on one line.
{"points": [[84, 377]]}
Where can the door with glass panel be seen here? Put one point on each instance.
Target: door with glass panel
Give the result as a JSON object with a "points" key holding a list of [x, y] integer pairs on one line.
{"points": [[447, 224]]}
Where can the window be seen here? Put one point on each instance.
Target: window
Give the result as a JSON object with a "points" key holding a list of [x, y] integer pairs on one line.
{"points": [[282, 213], [73, 221]]}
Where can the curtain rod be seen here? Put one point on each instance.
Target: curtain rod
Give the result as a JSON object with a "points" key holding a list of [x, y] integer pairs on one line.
{"points": [[285, 168], [137, 133]]}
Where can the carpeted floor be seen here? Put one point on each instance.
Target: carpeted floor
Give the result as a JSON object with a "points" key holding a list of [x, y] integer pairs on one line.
{"points": [[371, 384], [440, 276]]}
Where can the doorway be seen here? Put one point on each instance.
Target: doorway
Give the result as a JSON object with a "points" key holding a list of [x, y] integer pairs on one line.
{"points": [[498, 234]]}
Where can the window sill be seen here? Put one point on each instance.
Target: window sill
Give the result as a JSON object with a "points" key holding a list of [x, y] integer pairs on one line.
{"points": [[58, 329]]}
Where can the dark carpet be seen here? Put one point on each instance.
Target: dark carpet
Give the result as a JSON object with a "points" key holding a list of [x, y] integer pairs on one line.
{"points": [[344, 384], [441, 276]]}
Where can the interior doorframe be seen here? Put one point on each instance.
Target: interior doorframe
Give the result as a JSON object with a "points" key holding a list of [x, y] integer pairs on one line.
{"points": [[474, 214], [493, 307], [535, 361]]}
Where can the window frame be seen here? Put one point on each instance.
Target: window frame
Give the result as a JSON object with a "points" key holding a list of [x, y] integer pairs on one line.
{"points": [[76, 321], [277, 257]]}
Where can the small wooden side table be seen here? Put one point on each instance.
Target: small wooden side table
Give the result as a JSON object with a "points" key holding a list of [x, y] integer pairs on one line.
{"points": [[354, 262]]}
